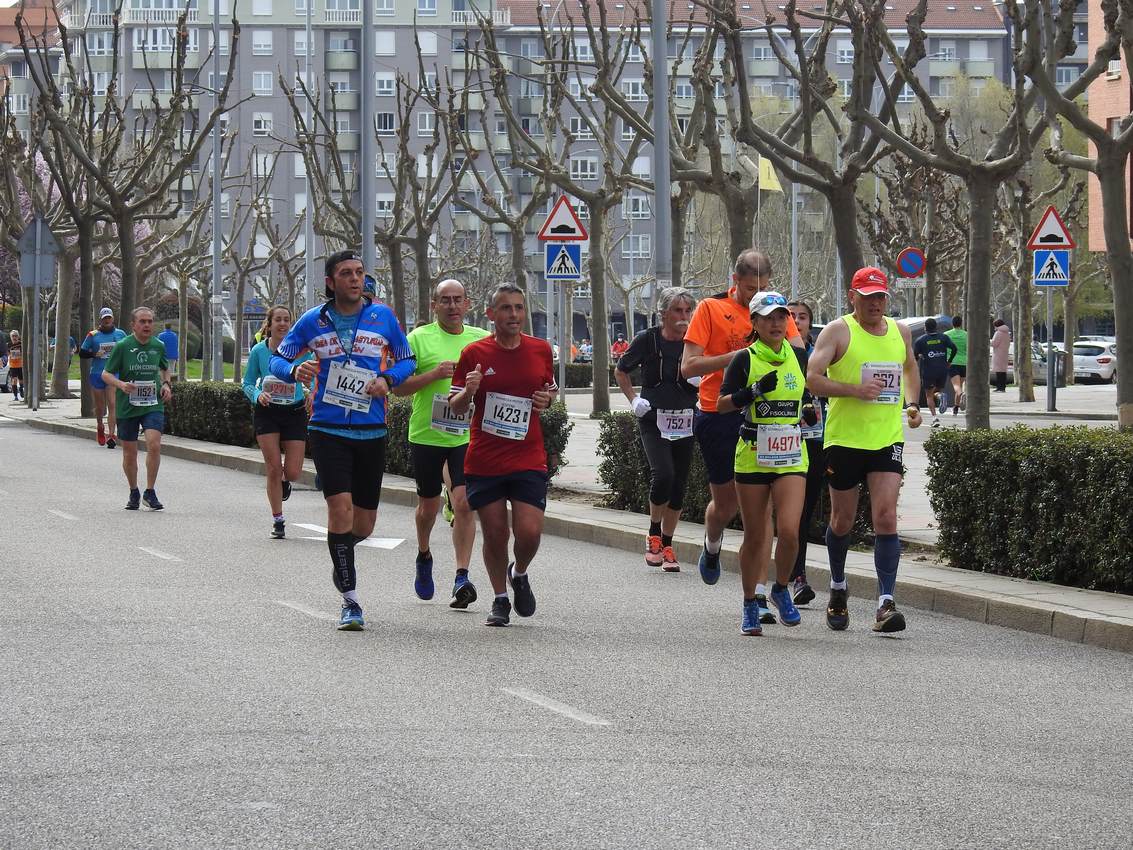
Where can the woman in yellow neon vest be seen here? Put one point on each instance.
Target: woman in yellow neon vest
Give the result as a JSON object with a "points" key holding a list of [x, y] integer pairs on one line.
{"points": [[767, 380]]}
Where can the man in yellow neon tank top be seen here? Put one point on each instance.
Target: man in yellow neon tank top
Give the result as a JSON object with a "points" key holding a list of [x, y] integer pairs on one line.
{"points": [[864, 364]]}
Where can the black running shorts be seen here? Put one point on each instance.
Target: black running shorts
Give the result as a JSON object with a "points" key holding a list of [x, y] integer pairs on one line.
{"points": [[529, 487], [351, 466], [846, 468], [287, 420], [428, 467]]}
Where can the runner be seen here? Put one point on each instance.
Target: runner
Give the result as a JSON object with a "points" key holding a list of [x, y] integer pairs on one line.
{"points": [[934, 351], [766, 382], [279, 414], [361, 355], [801, 591], [137, 368], [16, 365], [171, 342], [958, 365], [510, 378], [96, 347], [664, 411], [719, 328], [438, 439], [864, 363]]}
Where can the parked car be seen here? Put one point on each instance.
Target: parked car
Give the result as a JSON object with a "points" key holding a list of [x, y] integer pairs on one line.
{"points": [[1038, 364], [1095, 360]]}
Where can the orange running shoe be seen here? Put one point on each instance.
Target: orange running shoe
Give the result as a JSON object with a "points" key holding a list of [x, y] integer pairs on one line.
{"points": [[101, 435], [653, 555], [670, 565]]}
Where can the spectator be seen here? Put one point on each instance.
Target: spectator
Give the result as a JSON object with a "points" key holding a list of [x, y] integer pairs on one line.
{"points": [[619, 347], [1000, 347], [169, 339]]}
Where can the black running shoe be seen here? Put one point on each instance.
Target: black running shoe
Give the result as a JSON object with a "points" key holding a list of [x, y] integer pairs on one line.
{"points": [[501, 612], [277, 529], [837, 614], [765, 614], [110, 443], [134, 502], [286, 489], [801, 592], [463, 592], [889, 619], [521, 586], [150, 499]]}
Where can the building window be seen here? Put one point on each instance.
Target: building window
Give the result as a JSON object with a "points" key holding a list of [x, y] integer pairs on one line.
{"points": [[531, 126], [628, 132], [261, 83], [301, 8], [386, 123], [580, 290], [383, 205], [846, 87], [634, 90], [261, 42], [426, 7], [638, 246], [643, 167], [384, 43], [683, 123], [225, 203], [300, 170], [225, 39], [945, 87], [385, 83], [429, 85], [343, 124], [348, 159], [300, 203], [845, 51], [720, 91], [301, 44], [426, 123], [763, 52], [20, 104], [428, 42], [340, 42], [1064, 75], [683, 90], [529, 49], [261, 164], [901, 45], [584, 168], [634, 53], [977, 50], [383, 7], [906, 95], [580, 129], [584, 50], [580, 87], [261, 123], [636, 207], [945, 51], [98, 44], [261, 7], [340, 82]]}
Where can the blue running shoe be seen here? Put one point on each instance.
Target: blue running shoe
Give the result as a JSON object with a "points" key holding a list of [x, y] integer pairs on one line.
{"points": [[351, 619], [788, 614], [423, 584], [463, 592], [750, 624], [709, 566], [765, 615]]}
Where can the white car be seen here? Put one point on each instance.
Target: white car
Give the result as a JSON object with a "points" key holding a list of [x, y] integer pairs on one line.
{"points": [[1095, 360], [3, 375]]}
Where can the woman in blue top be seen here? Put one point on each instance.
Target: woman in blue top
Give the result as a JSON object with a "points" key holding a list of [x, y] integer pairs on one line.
{"points": [[279, 415]]}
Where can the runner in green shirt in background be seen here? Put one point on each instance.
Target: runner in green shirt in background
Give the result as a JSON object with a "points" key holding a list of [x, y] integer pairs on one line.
{"points": [[958, 366], [438, 438], [137, 368]]}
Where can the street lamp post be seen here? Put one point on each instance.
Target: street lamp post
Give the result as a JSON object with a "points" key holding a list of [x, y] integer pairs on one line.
{"points": [[662, 191], [366, 155], [308, 214], [216, 305]]}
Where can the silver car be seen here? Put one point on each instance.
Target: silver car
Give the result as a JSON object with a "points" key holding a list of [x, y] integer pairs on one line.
{"points": [[1095, 360]]}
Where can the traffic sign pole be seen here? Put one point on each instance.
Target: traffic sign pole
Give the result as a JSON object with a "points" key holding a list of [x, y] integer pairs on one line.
{"points": [[1051, 371]]}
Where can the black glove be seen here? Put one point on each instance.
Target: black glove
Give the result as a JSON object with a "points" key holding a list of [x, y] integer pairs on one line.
{"points": [[810, 415], [768, 382], [744, 397]]}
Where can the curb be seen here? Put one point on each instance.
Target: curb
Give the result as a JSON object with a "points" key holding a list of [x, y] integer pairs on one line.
{"points": [[620, 531]]}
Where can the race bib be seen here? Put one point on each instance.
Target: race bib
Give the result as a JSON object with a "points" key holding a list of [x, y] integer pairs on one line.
{"points": [[447, 422], [144, 394], [104, 349], [506, 416], [281, 392], [674, 424], [346, 387], [779, 445], [890, 376], [814, 432]]}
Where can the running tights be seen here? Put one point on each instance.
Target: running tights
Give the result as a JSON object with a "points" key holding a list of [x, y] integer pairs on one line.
{"points": [[669, 461]]}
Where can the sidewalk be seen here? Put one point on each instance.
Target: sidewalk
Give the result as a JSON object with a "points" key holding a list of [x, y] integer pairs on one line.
{"points": [[1082, 616]]}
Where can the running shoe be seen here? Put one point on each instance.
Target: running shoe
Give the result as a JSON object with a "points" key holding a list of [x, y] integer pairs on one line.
{"points": [[669, 559], [423, 583], [963, 401], [286, 489], [956, 410], [101, 435], [750, 623], [501, 612], [943, 404], [135, 500], [110, 443], [788, 614], [151, 501], [935, 421], [351, 619], [765, 615], [521, 587], [449, 513], [801, 592], [653, 556], [709, 566], [277, 531], [463, 592], [889, 619], [837, 614]]}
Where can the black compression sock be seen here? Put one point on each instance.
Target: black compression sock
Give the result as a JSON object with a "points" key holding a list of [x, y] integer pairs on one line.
{"points": [[341, 548], [666, 540], [654, 528], [778, 588]]}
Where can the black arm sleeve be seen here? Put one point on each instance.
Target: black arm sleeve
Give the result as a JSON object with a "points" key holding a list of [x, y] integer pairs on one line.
{"points": [[736, 375], [640, 350]]}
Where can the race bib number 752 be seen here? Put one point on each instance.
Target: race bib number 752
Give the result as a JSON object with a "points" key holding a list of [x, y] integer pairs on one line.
{"points": [[890, 376]]}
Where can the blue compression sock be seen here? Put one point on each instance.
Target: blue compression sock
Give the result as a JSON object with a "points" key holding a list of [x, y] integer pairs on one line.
{"points": [[837, 545], [886, 554]]}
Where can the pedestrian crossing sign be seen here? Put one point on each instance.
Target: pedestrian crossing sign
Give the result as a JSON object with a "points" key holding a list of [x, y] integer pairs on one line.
{"points": [[563, 260], [1051, 268]]}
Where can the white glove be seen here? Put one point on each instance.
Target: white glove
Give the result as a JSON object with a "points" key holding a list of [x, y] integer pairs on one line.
{"points": [[695, 380], [640, 407]]}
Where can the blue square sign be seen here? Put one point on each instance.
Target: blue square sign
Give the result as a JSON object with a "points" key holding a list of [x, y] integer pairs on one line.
{"points": [[562, 260], [1051, 268]]}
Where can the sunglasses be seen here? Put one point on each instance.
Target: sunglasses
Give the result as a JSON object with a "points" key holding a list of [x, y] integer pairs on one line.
{"points": [[769, 300]]}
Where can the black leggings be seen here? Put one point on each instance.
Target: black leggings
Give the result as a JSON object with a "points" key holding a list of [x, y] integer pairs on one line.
{"points": [[815, 479], [669, 461]]}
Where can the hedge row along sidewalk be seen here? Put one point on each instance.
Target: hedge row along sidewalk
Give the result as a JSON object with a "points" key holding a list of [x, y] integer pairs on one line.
{"points": [[1099, 619]]}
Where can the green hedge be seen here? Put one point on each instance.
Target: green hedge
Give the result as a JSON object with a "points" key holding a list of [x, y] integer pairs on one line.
{"points": [[580, 375], [624, 470], [220, 413], [1049, 505]]}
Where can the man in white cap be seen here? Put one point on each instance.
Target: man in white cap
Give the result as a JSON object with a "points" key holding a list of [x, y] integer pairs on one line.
{"points": [[96, 347]]}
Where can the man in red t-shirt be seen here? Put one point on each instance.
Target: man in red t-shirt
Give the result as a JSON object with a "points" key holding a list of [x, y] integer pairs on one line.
{"points": [[510, 378]]}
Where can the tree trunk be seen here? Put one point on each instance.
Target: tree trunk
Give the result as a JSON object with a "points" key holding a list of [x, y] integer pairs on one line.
{"points": [[183, 325], [86, 307], [679, 212], [844, 216], [237, 349], [596, 266], [982, 188], [397, 280], [741, 222], [1024, 333], [519, 270], [931, 296], [424, 275], [1069, 331], [64, 306], [206, 330], [128, 257], [1115, 224]]}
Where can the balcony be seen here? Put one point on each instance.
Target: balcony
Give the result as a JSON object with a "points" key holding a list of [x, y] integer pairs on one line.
{"points": [[158, 60], [764, 68], [336, 185], [943, 68], [342, 60], [470, 17], [500, 227], [465, 221], [474, 139], [92, 20], [979, 68], [347, 140], [342, 16], [529, 68], [144, 99], [530, 105], [501, 142], [343, 101], [475, 102], [158, 16]]}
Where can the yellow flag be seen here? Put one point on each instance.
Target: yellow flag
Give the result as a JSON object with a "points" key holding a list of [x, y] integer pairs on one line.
{"points": [[768, 179]]}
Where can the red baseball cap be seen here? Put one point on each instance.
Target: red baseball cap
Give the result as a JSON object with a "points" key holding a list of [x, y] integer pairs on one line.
{"points": [[869, 281]]}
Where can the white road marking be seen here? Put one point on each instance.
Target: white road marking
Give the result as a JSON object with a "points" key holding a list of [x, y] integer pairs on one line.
{"points": [[157, 553], [62, 515], [556, 706], [310, 612], [369, 542]]}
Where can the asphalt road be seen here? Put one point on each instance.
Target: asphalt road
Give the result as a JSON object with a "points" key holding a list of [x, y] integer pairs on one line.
{"points": [[175, 679]]}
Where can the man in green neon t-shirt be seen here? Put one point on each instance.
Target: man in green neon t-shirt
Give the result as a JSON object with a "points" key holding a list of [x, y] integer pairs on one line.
{"points": [[958, 366], [438, 438]]}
